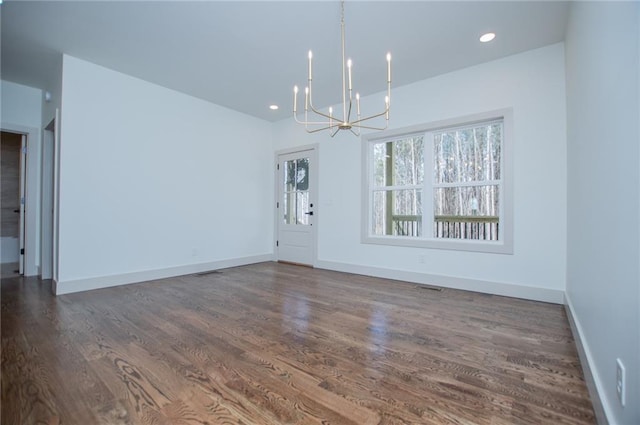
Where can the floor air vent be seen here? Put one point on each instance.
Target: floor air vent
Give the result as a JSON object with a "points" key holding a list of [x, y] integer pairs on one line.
{"points": [[208, 273], [431, 288]]}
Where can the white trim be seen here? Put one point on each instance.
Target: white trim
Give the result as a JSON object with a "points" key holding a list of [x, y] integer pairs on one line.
{"points": [[22, 204], [56, 194], [450, 123], [71, 286], [549, 295], [297, 149], [492, 247], [45, 270], [601, 406]]}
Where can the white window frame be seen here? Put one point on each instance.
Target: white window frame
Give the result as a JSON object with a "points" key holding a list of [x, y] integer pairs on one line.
{"points": [[505, 243]]}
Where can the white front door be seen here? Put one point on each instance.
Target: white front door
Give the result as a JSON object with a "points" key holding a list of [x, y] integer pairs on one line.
{"points": [[295, 211]]}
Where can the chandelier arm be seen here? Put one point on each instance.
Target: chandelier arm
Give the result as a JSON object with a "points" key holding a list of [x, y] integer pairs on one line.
{"points": [[313, 109], [329, 127], [371, 117], [348, 116], [336, 124], [319, 112], [306, 120], [354, 123], [310, 122]]}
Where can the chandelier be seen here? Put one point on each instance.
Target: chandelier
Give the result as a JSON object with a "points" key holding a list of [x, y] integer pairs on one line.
{"points": [[322, 121]]}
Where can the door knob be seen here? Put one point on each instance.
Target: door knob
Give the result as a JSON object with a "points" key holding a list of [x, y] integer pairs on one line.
{"points": [[309, 213]]}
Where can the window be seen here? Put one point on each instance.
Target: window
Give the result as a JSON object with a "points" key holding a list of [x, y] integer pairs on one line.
{"points": [[444, 185], [398, 176]]}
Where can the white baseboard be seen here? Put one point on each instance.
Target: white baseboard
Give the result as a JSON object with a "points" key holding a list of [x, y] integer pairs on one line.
{"points": [[70, 286], [555, 296], [594, 383]]}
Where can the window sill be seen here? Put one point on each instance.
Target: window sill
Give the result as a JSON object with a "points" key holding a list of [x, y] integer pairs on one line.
{"points": [[491, 247]]}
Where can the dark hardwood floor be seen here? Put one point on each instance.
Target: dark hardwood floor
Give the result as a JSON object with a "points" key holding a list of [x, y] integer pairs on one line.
{"points": [[278, 344]]}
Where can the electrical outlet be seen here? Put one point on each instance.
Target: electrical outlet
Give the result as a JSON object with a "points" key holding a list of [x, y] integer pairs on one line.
{"points": [[620, 381]]}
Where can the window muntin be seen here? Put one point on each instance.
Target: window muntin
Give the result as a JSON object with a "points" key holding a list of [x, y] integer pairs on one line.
{"points": [[440, 187]]}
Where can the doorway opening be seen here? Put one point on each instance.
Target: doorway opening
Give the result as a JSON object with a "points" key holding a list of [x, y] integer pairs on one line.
{"points": [[12, 183]]}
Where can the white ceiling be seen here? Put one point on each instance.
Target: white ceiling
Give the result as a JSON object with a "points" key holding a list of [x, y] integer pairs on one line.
{"points": [[247, 55]]}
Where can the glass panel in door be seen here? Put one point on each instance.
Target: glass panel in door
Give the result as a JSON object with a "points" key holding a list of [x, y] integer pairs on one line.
{"points": [[296, 192]]}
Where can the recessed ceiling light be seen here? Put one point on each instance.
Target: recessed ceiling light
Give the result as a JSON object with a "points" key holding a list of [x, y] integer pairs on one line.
{"points": [[485, 38], [273, 107]]}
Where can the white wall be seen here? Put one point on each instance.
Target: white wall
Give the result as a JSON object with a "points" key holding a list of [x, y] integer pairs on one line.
{"points": [[20, 104], [531, 83], [9, 249], [154, 182], [54, 87], [602, 55], [21, 112]]}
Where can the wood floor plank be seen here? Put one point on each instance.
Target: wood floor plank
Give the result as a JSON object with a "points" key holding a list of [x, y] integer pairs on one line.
{"points": [[26, 385], [274, 343]]}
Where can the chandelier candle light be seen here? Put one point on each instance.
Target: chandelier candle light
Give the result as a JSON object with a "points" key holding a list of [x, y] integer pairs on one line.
{"points": [[329, 121]]}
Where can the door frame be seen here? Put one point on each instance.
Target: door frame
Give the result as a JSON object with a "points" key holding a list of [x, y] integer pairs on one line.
{"points": [[22, 204], [48, 251], [314, 148]]}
